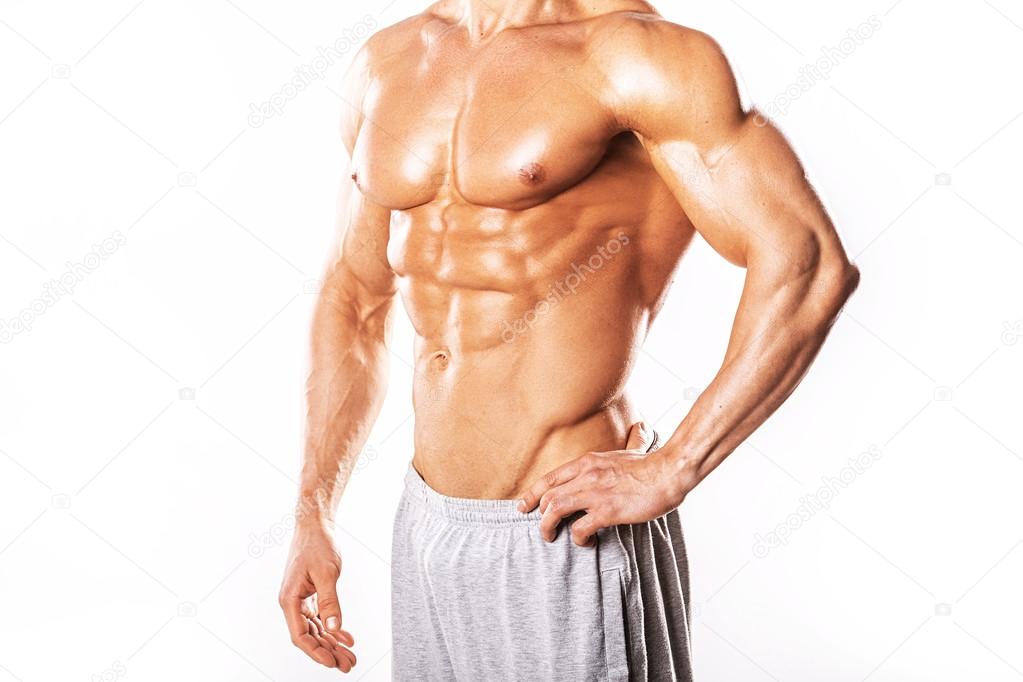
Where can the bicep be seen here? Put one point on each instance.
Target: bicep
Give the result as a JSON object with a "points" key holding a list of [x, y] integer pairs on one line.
{"points": [[748, 195], [359, 262], [734, 174]]}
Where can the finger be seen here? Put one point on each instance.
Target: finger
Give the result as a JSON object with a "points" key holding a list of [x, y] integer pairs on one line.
{"points": [[584, 531], [345, 660], [557, 509], [350, 655], [314, 629], [639, 437], [328, 609], [298, 627], [568, 490], [330, 645], [559, 476], [344, 637], [340, 642], [341, 637]]}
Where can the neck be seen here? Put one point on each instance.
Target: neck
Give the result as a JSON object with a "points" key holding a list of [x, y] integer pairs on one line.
{"points": [[484, 18]]}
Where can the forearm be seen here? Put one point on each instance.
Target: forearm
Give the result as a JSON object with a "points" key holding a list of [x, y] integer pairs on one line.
{"points": [[779, 328], [344, 393]]}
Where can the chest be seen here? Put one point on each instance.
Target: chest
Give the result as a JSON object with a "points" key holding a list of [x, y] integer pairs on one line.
{"points": [[506, 126]]}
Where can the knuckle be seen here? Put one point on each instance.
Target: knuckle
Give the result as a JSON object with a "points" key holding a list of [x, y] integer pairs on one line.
{"points": [[551, 477], [287, 596], [561, 503], [581, 531], [608, 514], [326, 572]]}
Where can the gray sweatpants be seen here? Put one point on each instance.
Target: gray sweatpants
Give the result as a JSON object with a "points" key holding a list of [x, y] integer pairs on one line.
{"points": [[478, 595]]}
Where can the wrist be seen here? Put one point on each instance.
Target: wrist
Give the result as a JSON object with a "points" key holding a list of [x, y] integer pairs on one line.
{"points": [[313, 523], [680, 471], [314, 511]]}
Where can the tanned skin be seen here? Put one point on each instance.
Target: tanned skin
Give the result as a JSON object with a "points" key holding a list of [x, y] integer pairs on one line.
{"points": [[496, 150]]}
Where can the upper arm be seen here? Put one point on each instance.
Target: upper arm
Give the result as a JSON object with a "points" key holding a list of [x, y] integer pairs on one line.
{"points": [[359, 267], [734, 174]]}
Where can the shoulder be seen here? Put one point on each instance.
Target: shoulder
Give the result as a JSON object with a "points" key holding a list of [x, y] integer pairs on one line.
{"points": [[648, 41], [657, 68], [394, 41], [373, 61]]}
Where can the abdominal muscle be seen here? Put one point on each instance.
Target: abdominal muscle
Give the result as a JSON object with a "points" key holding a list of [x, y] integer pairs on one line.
{"points": [[516, 384]]}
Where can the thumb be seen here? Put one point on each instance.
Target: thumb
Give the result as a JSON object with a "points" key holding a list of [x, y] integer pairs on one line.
{"points": [[327, 605], [638, 437]]}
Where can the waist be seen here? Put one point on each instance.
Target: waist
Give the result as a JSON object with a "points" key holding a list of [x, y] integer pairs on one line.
{"points": [[469, 510], [476, 458]]}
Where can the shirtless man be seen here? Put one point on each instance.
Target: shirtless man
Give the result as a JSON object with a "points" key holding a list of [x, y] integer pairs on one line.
{"points": [[528, 174]]}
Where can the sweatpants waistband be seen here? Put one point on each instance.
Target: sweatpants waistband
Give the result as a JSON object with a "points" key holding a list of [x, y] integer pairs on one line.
{"points": [[467, 510], [463, 509]]}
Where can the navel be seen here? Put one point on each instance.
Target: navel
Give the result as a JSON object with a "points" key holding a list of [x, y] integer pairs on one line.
{"points": [[532, 174], [440, 359]]}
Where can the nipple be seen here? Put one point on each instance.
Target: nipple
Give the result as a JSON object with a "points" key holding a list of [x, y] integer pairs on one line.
{"points": [[532, 174]]}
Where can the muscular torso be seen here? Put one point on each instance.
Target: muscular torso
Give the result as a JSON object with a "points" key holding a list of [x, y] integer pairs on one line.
{"points": [[532, 240]]}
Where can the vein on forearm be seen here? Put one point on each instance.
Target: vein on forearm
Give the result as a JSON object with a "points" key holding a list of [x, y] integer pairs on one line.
{"points": [[345, 388], [779, 328]]}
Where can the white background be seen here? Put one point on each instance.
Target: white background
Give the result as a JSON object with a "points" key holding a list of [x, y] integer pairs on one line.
{"points": [[150, 419]]}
